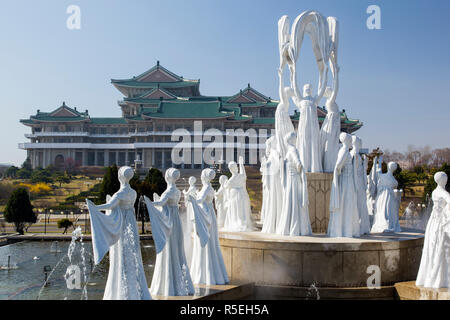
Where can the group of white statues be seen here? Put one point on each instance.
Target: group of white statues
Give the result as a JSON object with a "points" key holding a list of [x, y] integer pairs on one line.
{"points": [[290, 155], [174, 274], [187, 246]]}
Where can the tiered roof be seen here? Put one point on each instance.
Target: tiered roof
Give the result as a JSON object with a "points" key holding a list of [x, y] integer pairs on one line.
{"points": [[154, 78], [65, 113], [153, 92]]}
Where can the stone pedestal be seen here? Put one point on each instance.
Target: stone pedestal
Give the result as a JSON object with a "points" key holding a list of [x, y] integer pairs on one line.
{"points": [[409, 291], [319, 188], [273, 260]]}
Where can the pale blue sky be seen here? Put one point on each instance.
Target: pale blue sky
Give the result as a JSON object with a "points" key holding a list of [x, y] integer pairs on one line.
{"points": [[396, 80]]}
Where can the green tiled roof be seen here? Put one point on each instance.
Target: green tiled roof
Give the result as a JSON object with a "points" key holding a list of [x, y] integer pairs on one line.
{"points": [[263, 120], [189, 110], [108, 120], [151, 85], [237, 113]]}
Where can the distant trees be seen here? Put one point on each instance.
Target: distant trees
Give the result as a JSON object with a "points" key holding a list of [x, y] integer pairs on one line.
{"points": [[19, 210], [153, 182], [431, 184], [11, 172], [64, 223], [41, 175], [62, 178], [419, 157], [110, 183], [405, 180]]}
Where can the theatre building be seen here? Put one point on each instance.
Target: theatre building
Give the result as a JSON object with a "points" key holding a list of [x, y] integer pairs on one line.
{"points": [[155, 103]]}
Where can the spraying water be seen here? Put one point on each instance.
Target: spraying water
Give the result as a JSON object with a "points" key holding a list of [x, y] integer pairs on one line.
{"points": [[9, 265], [74, 275]]}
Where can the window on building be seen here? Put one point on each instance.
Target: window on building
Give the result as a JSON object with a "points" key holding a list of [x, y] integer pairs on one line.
{"points": [[100, 158], [131, 158], [158, 159], [78, 158], [112, 158], [121, 160], [91, 158]]}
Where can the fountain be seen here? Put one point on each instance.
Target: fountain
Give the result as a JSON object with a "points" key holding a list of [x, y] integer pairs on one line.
{"points": [[9, 265], [298, 266]]}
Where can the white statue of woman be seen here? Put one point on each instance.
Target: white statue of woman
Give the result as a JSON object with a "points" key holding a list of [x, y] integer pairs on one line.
{"points": [[171, 275], [283, 122], [344, 218], [207, 266], [387, 203], [187, 218], [294, 219], [308, 136], [220, 199], [273, 196], [116, 232], [239, 211], [434, 270], [372, 187], [329, 132], [360, 185]]}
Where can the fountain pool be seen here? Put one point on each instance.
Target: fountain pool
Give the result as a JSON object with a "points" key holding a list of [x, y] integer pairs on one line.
{"points": [[27, 280]]}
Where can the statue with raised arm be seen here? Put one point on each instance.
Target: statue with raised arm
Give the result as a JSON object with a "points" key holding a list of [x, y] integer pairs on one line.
{"points": [[344, 218], [283, 122], [387, 202], [331, 126], [207, 266], [434, 270], [308, 136], [171, 276], [239, 215], [116, 232], [324, 35]]}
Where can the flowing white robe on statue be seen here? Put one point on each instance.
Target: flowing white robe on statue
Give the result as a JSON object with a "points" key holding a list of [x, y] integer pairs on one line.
{"points": [[361, 187], [171, 276], [434, 270], [294, 218], [308, 137], [116, 232], [329, 139], [273, 196], [283, 126], [344, 218], [207, 266], [238, 216], [386, 206], [187, 220], [265, 188]]}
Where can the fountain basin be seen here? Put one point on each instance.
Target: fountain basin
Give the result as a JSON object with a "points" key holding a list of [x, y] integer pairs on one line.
{"points": [[277, 261]]}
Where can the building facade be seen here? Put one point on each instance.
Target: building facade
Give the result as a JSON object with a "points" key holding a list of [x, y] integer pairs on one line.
{"points": [[156, 103]]}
